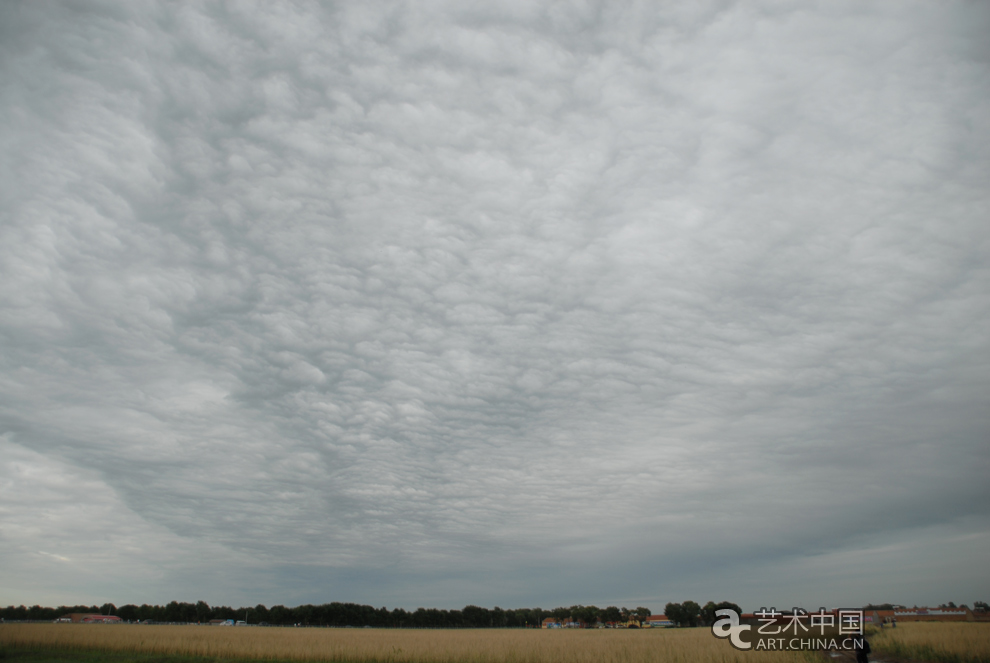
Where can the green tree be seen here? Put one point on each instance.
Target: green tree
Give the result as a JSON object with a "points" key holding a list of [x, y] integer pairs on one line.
{"points": [[588, 614], [187, 612], [128, 612], [675, 613], [708, 616], [592, 615], [691, 612], [476, 616], [203, 611], [173, 612]]}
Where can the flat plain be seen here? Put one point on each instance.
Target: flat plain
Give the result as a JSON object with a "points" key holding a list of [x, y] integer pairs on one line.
{"points": [[392, 645], [914, 642], [947, 642]]}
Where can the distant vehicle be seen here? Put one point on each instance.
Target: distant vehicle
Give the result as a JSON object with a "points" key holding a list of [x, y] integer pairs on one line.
{"points": [[240, 623]]}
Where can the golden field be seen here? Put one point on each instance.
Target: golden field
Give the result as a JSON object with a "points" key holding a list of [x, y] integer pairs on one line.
{"points": [[395, 646], [935, 641]]}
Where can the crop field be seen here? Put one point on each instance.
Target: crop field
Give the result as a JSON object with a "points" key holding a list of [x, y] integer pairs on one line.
{"points": [[393, 646], [952, 642], [916, 642]]}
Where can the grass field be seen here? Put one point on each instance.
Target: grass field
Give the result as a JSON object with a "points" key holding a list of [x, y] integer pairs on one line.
{"points": [[952, 642], [97, 643], [391, 646]]}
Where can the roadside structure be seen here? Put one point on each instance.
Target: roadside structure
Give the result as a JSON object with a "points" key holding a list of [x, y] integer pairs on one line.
{"points": [[657, 621], [933, 615], [84, 618]]}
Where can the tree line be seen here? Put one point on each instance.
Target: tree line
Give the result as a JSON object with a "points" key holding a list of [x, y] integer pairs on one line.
{"points": [[336, 614], [688, 613]]}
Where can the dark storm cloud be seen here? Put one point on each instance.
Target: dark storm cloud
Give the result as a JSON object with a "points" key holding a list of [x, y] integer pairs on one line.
{"points": [[368, 297]]}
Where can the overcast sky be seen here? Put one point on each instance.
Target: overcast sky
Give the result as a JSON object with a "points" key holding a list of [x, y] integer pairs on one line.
{"points": [[517, 304]]}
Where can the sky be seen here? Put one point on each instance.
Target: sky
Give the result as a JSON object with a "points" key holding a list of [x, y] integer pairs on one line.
{"points": [[518, 304]]}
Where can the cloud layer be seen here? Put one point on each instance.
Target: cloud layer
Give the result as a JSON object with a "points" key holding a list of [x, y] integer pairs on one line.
{"points": [[427, 304]]}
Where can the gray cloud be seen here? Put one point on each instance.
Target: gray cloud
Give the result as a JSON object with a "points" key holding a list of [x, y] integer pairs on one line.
{"points": [[366, 298]]}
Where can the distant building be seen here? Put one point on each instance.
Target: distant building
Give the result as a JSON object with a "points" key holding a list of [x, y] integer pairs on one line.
{"points": [[884, 615], [933, 615], [657, 621], [84, 618], [550, 622]]}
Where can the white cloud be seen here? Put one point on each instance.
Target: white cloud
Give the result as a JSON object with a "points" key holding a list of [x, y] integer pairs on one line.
{"points": [[369, 296]]}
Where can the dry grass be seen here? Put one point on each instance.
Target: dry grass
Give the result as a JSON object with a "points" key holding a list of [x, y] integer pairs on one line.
{"points": [[395, 646], [962, 642]]}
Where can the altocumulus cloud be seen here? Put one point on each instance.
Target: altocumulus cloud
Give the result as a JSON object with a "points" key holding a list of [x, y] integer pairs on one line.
{"points": [[538, 303]]}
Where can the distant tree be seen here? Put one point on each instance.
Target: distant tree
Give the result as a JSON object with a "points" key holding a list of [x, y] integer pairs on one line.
{"points": [[675, 613], [981, 605], [303, 614], [476, 616], [708, 613], [708, 616], [128, 612], [280, 615], [187, 612], [612, 614], [691, 613], [108, 609], [561, 614], [399, 617], [729, 605], [203, 611], [585, 613], [173, 612], [642, 612], [36, 612], [683, 614]]}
